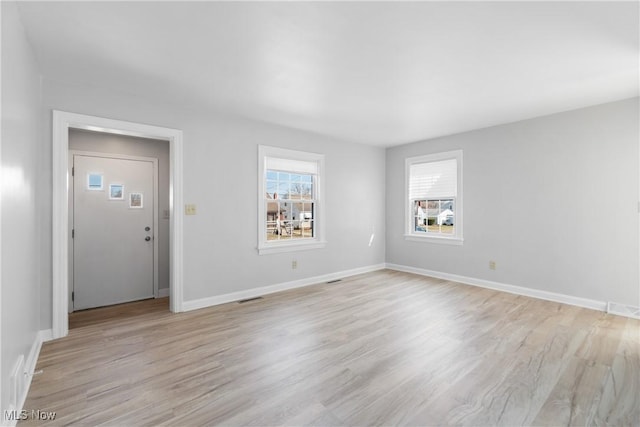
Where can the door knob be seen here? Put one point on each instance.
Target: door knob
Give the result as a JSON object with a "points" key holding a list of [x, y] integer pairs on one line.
{"points": [[147, 238], [147, 228]]}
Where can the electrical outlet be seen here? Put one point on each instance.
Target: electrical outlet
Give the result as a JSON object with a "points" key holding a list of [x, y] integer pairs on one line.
{"points": [[294, 264], [189, 209], [492, 265]]}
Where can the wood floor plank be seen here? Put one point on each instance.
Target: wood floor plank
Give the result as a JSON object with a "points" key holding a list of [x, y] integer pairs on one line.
{"points": [[384, 348], [620, 404], [575, 398]]}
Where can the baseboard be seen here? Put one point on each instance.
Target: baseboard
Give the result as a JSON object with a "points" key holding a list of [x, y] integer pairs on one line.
{"points": [[163, 293], [625, 310], [518, 290], [265, 290]]}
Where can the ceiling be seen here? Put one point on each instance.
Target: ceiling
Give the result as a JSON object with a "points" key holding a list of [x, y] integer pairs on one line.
{"points": [[378, 73]]}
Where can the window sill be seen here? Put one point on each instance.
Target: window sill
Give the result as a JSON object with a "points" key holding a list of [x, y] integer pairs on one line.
{"points": [[433, 239], [281, 247]]}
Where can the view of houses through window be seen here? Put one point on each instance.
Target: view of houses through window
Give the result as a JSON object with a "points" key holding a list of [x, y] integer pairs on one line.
{"points": [[434, 216], [289, 205]]}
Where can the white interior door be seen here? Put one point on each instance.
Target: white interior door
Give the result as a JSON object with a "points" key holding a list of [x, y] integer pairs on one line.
{"points": [[113, 219]]}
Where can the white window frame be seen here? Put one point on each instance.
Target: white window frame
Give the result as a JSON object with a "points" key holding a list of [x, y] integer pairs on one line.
{"points": [[410, 233], [278, 246]]}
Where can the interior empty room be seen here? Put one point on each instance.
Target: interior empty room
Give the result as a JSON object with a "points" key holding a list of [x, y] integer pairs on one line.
{"points": [[320, 213]]}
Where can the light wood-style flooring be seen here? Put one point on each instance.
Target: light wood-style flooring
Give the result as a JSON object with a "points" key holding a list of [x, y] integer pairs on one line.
{"points": [[384, 348]]}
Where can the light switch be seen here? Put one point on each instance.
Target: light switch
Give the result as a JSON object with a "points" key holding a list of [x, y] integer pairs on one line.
{"points": [[189, 209]]}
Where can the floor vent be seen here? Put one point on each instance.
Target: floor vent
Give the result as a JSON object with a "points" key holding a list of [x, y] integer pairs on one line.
{"points": [[242, 301], [16, 383], [623, 310], [335, 281]]}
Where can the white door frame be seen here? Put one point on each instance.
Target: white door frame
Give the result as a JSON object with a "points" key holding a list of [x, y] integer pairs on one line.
{"points": [[62, 122], [156, 192]]}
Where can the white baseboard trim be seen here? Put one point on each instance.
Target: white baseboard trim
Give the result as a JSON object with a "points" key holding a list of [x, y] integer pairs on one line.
{"points": [[625, 310], [518, 290], [163, 293], [265, 290]]}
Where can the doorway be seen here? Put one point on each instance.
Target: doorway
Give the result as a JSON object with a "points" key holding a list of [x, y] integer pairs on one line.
{"points": [[114, 227], [63, 122], [117, 159]]}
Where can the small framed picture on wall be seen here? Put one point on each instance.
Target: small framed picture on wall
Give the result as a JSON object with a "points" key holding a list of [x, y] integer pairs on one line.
{"points": [[94, 181], [116, 192], [135, 200]]}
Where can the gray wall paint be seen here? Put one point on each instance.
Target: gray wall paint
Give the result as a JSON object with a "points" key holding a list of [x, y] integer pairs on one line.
{"points": [[23, 220], [84, 140], [220, 177], [553, 200]]}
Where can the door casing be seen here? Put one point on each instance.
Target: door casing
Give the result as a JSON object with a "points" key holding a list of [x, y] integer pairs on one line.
{"points": [[62, 122], [155, 214]]}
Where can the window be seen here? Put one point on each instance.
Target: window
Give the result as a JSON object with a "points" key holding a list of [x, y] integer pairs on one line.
{"points": [[434, 197], [290, 200]]}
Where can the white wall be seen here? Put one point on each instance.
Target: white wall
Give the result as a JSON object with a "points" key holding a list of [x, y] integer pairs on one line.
{"points": [[553, 200], [84, 140], [220, 177], [22, 221]]}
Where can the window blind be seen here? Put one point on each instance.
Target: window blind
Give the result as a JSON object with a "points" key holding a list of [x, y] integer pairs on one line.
{"points": [[290, 165], [434, 180]]}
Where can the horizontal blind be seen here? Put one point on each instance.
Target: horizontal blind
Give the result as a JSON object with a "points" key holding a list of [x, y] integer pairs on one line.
{"points": [[290, 165], [434, 180]]}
